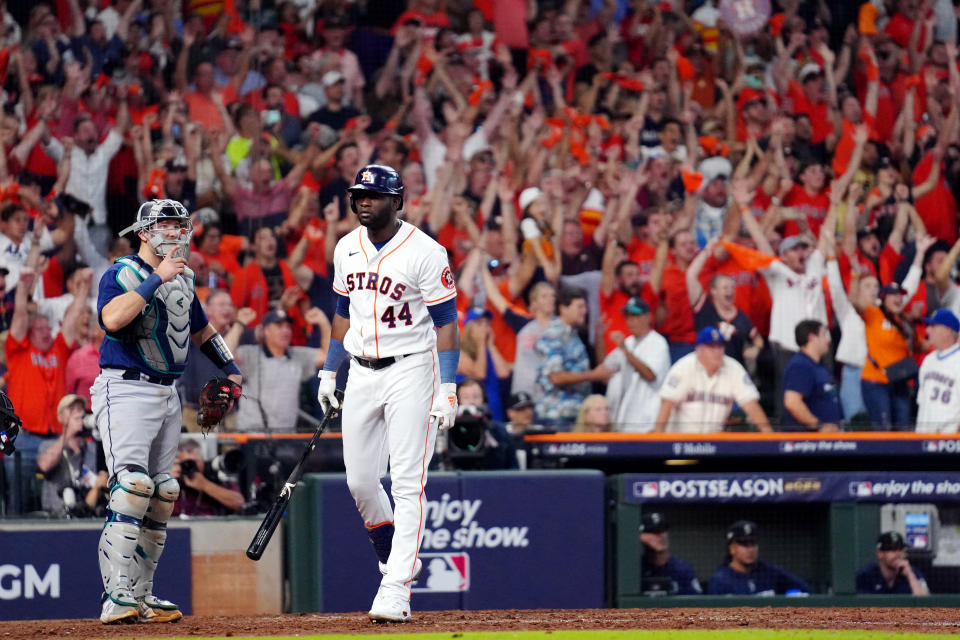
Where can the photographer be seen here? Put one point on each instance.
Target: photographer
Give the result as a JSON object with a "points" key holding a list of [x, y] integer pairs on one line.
{"points": [[71, 485], [200, 493], [476, 441]]}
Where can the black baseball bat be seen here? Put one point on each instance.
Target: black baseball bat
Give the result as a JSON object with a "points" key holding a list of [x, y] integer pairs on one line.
{"points": [[262, 538]]}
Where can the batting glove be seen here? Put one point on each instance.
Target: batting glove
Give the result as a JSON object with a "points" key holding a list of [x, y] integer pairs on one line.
{"points": [[445, 406], [327, 389]]}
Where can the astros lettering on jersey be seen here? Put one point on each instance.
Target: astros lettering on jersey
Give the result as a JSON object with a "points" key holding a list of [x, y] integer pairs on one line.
{"points": [[390, 290]]}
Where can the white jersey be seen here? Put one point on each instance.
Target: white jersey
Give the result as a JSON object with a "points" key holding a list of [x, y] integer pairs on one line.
{"points": [[939, 394], [390, 291], [795, 296], [634, 402], [703, 401]]}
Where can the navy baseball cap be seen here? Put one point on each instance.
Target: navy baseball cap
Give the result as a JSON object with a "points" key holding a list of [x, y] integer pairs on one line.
{"points": [[710, 335], [520, 400], [944, 317], [636, 306], [742, 531], [891, 541], [653, 522], [890, 289], [276, 316], [476, 313]]}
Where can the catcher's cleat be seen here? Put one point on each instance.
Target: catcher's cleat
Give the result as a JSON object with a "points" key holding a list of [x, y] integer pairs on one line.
{"points": [[154, 609], [389, 607], [119, 609]]}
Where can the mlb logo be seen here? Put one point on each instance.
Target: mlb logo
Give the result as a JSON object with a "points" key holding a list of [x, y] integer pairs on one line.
{"points": [[930, 446], [649, 490], [786, 447], [861, 489], [443, 573]]}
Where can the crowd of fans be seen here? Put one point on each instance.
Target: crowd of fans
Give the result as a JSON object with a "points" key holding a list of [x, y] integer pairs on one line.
{"points": [[657, 221]]}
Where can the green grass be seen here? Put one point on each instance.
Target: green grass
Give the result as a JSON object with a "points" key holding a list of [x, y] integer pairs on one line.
{"points": [[724, 634]]}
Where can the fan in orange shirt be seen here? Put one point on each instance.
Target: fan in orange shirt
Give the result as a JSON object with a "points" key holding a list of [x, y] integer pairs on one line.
{"points": [[886, 392], [219, 252]]}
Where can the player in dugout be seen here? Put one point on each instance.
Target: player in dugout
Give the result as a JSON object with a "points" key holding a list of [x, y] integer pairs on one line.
{"points": [[660, 571], [891, 573], [744, 574]]}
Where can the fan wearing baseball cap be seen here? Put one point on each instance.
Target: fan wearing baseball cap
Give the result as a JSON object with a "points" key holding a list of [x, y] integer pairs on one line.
{"points": [[891, 573], [938, 399], [701, 388], [638, 367], [744, 574]]}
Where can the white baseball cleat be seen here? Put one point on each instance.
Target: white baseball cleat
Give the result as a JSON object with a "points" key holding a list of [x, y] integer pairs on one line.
{"points": [[119, 608], [154, 609], [389, 607]]}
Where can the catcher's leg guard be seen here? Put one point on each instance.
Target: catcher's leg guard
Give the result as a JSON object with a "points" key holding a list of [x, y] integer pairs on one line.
{"points": [[153, 536], [381, 537], [129, 499]]}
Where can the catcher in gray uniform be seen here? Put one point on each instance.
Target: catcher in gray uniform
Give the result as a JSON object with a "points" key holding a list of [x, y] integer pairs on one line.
{"points": [[147, 306]]}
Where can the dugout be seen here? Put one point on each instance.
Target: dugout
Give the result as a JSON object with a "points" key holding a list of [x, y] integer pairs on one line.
{"points": [[819, 526]]}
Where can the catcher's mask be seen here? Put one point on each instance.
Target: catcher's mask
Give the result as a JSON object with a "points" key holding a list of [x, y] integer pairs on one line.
{"points": [[158, 219]]}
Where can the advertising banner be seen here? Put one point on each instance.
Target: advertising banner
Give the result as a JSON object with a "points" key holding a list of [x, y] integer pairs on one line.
{"points": [[490, 541], [564, 446], [794, 487], [54, 573]]}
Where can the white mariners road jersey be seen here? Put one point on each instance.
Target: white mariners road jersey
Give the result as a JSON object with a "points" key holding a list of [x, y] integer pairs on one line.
{"points": [[703, 401], [390, 291], [938, 398]]}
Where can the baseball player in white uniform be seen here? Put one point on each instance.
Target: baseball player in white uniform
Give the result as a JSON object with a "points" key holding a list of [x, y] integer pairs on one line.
{"points": [[396, 321], [147, 306], [701, 388], [938, 396]]}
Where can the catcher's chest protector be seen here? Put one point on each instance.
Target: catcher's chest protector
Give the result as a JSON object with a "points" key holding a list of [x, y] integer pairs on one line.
{"points": [[162, 330]]}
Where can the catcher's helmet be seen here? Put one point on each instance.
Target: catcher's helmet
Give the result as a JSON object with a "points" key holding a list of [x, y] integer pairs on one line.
{"points": [[377, 178], [154, 211]]}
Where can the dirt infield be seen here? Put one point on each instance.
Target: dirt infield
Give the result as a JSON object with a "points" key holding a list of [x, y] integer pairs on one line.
{"points": [[872, 619]]}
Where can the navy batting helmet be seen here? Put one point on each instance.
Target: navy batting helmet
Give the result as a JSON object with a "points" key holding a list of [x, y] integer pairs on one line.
{"points": [[377, 178]]}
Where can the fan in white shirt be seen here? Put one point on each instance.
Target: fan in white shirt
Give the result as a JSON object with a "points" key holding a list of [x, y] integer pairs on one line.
{"points": [[701, 388], [638, 368]]}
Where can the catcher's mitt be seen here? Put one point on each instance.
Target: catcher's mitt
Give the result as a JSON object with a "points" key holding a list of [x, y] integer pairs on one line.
{"points": [[216, 399]]}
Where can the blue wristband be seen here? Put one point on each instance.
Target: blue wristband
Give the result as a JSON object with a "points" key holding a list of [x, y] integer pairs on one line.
{"points": [[336, 354], [149, 286], [448, 361], [231, 368]]}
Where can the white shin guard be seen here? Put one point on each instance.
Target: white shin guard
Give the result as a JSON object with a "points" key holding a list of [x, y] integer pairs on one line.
{"points": [[129, 501], [153, 534]]}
